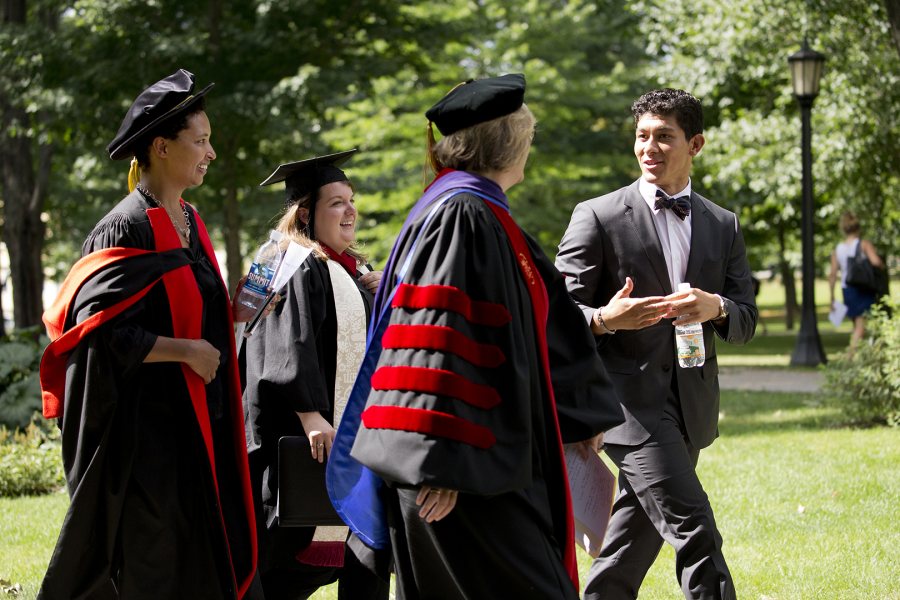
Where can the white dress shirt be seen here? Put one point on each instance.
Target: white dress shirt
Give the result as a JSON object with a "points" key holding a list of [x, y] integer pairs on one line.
{"points": [[674, 234]]}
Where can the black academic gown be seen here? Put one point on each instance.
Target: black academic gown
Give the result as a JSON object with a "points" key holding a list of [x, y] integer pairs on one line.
{"points": [[500, 448], [290, 363], [146, 520]]}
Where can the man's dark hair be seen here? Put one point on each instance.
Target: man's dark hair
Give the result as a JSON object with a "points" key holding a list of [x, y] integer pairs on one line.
{"points": [[667, 102]]}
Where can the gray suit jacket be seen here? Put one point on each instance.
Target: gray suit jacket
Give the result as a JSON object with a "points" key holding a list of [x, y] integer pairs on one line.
{"points": [[613, 237]]}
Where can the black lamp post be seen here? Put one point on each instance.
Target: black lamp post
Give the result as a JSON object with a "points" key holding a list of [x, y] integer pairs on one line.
{"points": [[806, 69]]}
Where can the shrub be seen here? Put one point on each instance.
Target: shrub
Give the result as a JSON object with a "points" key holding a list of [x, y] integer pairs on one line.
{"points": [[866, 384], [20, 390], [30, 459]]}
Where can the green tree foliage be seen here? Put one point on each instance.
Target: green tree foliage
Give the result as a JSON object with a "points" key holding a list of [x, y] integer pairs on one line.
{"points": [[20, 391], [278, 66], [733, 55], [583, 69], [300, 77]]}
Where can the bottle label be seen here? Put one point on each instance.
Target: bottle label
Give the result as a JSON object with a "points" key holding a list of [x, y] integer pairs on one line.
{"points": [[690, 345], [258, 279]]}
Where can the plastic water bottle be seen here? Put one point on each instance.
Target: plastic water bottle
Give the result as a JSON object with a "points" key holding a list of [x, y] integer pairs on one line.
{"points": [[689, 340], [256, 288]]}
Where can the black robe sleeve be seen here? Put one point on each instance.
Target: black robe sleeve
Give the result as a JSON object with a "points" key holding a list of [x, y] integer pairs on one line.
{"points": [[586, 400], [130, 344], [287, 355], [488, 379]]}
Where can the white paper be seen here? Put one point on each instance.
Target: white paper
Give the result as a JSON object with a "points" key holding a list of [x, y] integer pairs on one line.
{"points": [[293, 258], [837, 314], [593, 488]]}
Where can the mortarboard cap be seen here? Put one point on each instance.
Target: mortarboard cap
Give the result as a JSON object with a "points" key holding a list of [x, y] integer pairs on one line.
{"points": [[158, 103], [477, 101], [305, 176]]}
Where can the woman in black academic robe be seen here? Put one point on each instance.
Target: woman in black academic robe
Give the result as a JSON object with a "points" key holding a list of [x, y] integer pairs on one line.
{"points": [[142, 375], [482, 368], [299, 364]]}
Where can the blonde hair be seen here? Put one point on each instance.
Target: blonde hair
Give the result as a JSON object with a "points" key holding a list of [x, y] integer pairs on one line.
{"points": [[848, 223], [494, 145], [293, 229]]}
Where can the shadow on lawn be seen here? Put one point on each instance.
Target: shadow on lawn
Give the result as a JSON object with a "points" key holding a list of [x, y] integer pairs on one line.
{"points": [[782, 343], [742, 413]]}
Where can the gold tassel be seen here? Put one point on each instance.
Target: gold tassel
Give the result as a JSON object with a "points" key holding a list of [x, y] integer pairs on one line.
{"points": [[134, 175], [430, 162]]}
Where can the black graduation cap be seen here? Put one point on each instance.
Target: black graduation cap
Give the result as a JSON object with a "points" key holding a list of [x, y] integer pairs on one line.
{"points": [[306, 176], [160, 102], [477, 101]]}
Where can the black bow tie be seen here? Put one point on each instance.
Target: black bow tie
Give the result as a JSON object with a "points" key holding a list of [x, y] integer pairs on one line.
{"points": [[681, 205]]}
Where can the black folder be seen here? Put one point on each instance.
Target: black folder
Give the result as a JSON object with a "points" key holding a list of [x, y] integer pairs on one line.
{"points": [[302, 498]]}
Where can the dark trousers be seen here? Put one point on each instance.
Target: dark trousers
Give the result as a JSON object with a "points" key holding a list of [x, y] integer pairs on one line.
{"points": [[660, 499]]}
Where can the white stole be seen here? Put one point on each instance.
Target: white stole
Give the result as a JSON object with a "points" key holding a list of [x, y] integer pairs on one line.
{"points": [[350, 312]]}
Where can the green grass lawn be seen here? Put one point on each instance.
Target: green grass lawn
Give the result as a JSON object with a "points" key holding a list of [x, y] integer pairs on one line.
{"points": [[28, 530], [807, 509], [773, 344]]}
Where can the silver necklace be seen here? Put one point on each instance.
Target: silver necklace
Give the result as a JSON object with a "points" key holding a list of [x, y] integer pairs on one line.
{"points": [[186, 232]]}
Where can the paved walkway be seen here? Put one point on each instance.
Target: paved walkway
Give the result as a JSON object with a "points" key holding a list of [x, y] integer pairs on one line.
{"points": [[769, 380]]}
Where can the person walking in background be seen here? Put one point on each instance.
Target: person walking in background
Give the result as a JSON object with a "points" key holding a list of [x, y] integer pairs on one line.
{"points": [[300, 364], [857, 299], [479, 368], [623, 256], [142, 375]]}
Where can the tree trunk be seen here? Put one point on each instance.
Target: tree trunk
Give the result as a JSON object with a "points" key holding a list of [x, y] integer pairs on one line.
{"points": [[24, 192], [232, 223], [24, 187], [13, 11], [893, 11], [233, 257], [787, 279]]}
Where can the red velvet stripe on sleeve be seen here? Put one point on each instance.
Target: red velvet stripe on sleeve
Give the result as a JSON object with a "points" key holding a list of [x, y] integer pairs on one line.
{"points": [[444, 339], [437, 382], [445, 297], [428, 422]]}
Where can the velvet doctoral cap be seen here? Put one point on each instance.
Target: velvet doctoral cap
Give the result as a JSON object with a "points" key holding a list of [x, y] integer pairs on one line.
{"points": [[477, 101], [306, 176], [165, 99]]}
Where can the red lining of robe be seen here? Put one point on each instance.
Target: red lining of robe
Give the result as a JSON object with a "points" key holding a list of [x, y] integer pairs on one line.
{"points": [[541, 305], [52, 370], [182, 287]]}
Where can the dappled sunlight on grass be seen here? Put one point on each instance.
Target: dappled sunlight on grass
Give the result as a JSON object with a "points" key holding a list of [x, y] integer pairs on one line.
{"points": [[805, 505], [774, 349], [29, 526], [742, 413]]}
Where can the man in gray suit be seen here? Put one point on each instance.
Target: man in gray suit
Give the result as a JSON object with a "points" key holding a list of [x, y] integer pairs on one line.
{"points": [[624, 255]]}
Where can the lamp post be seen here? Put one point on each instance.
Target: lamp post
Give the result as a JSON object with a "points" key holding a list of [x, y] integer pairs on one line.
{"points": [[806, 70]]}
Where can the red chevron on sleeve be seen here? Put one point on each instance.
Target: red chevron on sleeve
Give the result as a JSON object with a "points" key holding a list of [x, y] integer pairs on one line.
{"points": [[446, 297], [428, 422], [444, 339], [437, 382]]}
